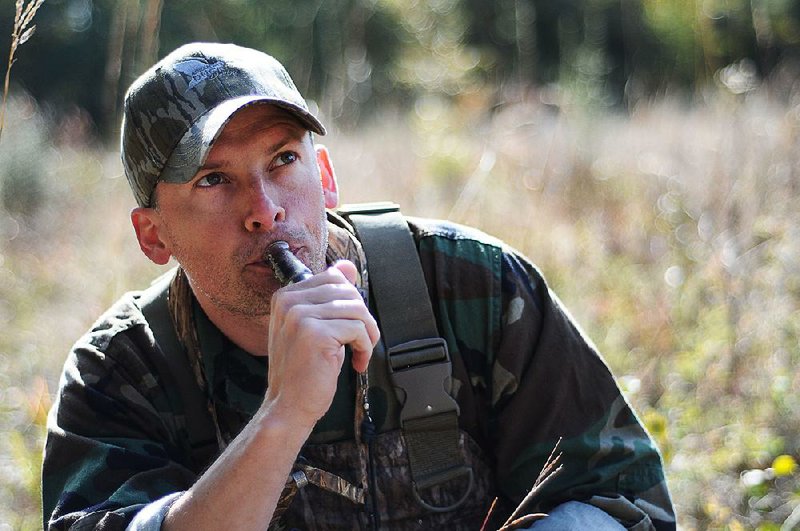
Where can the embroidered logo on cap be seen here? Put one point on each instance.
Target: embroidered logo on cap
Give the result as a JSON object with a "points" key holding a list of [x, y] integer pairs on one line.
{"points": [[199, 71]]}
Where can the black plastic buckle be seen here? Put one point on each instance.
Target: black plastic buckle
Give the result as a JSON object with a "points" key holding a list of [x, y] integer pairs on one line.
{"points": [[421, 373]]}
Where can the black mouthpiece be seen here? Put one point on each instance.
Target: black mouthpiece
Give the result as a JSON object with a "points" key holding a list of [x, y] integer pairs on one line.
{"points": [[288, 268]]}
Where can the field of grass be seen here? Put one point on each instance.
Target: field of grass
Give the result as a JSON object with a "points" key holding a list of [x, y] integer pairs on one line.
{"points": [[670, 232]]}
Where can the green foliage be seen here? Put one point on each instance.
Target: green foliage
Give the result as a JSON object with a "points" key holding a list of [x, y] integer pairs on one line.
{"points": [[356, 56]]}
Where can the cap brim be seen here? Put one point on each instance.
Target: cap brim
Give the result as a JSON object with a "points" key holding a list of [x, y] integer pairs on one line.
{"points": [[192, 149]]}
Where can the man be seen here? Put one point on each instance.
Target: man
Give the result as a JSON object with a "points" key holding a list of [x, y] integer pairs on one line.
{"points": [[188, 405]]}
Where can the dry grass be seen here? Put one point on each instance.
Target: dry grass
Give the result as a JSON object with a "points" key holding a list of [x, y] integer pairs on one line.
{"points": [[22, 31], [671, 235]]}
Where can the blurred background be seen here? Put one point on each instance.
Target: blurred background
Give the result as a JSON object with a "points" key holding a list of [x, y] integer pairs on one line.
{"points": [[643, 153]]}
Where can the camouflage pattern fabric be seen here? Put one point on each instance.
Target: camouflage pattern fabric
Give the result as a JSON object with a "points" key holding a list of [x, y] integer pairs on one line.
{"points": [[524, 376], [393, 500]]}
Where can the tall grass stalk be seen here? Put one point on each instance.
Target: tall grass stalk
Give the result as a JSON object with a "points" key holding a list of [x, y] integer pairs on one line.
{"points": [[19, 36]]}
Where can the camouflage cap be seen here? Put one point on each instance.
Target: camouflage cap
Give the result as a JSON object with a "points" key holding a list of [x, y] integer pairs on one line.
{"points": [[175, 110]]}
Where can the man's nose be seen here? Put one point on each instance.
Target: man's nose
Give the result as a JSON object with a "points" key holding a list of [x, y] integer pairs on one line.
{"points": [[263, 210]]}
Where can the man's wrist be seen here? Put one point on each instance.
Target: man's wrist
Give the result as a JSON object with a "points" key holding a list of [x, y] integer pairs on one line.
{"points": [[284, 422]]}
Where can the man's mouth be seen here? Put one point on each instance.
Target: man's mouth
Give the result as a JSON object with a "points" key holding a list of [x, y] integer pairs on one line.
{"points": [[262, 261]]}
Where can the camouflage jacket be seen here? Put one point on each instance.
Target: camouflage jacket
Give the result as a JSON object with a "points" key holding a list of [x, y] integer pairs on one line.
{"points": [[524, 377]]}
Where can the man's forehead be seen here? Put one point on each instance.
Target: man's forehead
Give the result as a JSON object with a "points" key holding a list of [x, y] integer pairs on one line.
{"points": [[261, 117]]}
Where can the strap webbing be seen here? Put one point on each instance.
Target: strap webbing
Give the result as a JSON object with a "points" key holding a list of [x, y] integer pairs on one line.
{"points": [[396, 279], [174, 369], [419, 364]]}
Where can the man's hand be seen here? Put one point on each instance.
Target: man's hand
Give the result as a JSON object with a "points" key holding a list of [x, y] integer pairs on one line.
{"points": [[310, 323]]}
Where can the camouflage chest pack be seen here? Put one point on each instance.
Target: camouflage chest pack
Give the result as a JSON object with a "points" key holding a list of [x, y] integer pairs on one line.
{"points": [[421, 472]]}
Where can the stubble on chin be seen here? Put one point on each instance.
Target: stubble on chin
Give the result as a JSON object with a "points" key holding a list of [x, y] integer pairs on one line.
{"points": [[233, 296], [228, 287], [236, 295]]}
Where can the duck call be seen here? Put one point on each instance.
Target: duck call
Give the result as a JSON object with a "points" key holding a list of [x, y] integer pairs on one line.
{"points": [[288, 268]]}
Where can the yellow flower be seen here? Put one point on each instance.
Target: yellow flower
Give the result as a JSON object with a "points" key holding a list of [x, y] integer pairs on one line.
{"points": [[784, 465], [656, 423]]}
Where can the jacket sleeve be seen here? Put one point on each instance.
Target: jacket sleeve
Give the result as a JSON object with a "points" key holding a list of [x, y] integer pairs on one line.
{"points": [[549, 383], [113, 439]]}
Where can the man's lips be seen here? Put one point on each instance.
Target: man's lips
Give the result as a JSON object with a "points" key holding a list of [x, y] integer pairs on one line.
{"points": [[258, 265], [262, 261]]}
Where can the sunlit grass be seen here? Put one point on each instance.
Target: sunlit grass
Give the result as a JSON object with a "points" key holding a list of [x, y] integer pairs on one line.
{"points": [[671, 235]]}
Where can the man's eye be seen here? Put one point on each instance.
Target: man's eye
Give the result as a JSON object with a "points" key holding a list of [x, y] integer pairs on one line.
{"points": [[287, 157], [212, 179]]}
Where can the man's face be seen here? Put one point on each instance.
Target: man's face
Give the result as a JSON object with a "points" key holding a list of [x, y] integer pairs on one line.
{"points": [[260, 183]]}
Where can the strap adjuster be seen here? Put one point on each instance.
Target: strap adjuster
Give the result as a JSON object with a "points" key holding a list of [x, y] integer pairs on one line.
{"points": [[421, 373]]}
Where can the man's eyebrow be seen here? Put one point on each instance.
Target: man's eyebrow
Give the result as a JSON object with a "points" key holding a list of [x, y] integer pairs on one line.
{"points": [[292, 135]]}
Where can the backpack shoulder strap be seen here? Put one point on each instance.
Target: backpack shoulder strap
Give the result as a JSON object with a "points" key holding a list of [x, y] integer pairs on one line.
{"points": [[418, 360], [174, 369]]}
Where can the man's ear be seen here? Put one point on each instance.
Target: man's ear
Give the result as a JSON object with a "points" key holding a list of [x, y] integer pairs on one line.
{"points": [[329, 187], [146, 224]]}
